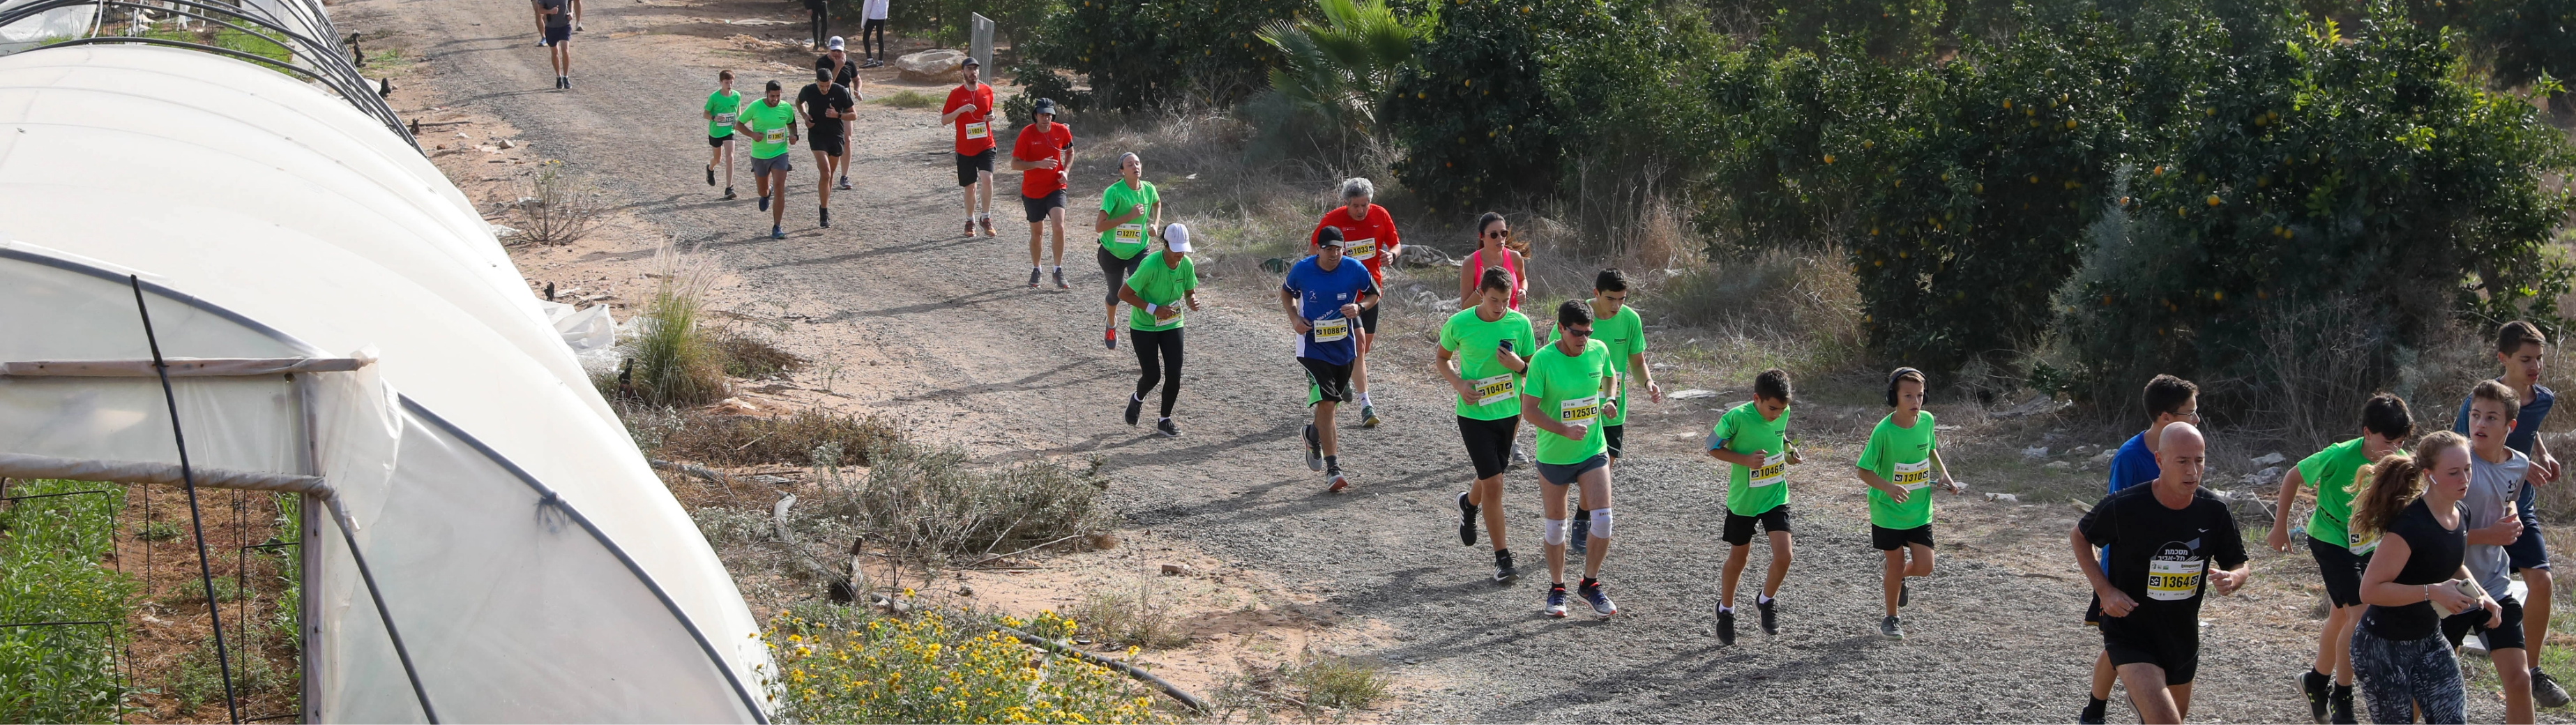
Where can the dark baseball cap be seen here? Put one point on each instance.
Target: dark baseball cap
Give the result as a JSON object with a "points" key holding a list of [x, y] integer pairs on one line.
{"points": [[1045, 106]]}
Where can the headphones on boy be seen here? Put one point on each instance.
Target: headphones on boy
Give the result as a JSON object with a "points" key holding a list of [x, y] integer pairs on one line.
{"points": [[1899, 374]]}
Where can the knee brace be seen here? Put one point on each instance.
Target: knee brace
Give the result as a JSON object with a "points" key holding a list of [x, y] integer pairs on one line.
{"points": [[1556, 532], [1601, 523]]}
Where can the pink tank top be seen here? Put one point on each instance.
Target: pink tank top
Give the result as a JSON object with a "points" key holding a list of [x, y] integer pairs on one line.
{"points": [[1476, 259]]}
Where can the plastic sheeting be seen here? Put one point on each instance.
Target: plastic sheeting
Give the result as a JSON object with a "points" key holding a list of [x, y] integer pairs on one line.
{"points": [[533, 565]]}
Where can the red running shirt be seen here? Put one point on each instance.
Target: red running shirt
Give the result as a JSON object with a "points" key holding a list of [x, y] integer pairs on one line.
{"points": [[1370, 239], [1035, 145], [974, 130]]}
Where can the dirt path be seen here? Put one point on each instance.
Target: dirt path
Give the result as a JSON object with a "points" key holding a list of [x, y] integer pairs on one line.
{"points": [[912, 321]]}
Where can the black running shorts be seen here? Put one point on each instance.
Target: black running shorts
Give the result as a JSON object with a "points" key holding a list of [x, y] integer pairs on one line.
{"points": [[2171, 643], [1617, 435], [1887, 539], [1739, 527], [972, 167], [718, 141], [826, 140], [2341, 569], [1332, 382], [1038, 207], [1489, 443], [1565, 474], [2506, 634]]}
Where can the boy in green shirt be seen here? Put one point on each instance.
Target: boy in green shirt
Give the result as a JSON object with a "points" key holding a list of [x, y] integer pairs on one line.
{"points": [[772, 125], [1570, 387], [1752, 438], [1486, 341], [721, 107], [1897, 464], [2341, 557], [1617, 326]]}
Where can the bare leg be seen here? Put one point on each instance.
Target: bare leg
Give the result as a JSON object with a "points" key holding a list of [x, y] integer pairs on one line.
{"points": [[2334, 645], [823, 164], [2157, 705], [778, 206], [1780, 556], [1891, 578], [2535, 611], [1552, 505], [1595, 484], [1037, 238], [984, 183], [1324, 434], [1487, 496], [1735, 556], [1055, 218], [2103, 674]]}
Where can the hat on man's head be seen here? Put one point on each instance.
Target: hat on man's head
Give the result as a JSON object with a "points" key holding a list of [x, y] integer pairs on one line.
{"points": [[1045, 106], [837, 44], [1328, 237], [970, 60], [1176, 238]]}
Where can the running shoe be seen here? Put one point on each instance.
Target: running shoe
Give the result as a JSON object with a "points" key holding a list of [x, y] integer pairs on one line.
{"points": [[1769, 609], [1135, 407], [2341, 711], [729, 193], [844, 185], [1504, 572], [1578, 538], [1059, 279], [2095, 712], [764, 202], [541, 42], [1368, 416], [1337, 481], [1466, 521], [1555, 601], [1890, 628], [1314, 450], [1591, 592], [1109, 338], [2315, 684], [1904, 594], [711, 176], [970, 227], [2545, 690], [1033, 277], [827, 217], [1166, 428], [776, 233], [873, 63], [1519, 458], [987, 223], [1725, 626]]}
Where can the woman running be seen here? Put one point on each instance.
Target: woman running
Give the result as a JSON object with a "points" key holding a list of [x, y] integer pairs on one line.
{"points": [[1161, 284], [2414, 579], [1493, 237], [1128, 208]]}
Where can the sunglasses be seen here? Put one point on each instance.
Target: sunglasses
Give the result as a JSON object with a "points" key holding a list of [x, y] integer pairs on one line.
{"points": [[1499, 234], [1578, 332]]}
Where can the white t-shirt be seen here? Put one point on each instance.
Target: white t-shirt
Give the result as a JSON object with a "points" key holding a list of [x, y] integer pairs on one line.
{"points": [[874, 10]]}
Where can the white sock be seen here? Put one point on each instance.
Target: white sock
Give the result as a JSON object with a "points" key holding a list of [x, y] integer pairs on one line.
{"points": [[1762, 599], [1724, 608], [1364, 401]]}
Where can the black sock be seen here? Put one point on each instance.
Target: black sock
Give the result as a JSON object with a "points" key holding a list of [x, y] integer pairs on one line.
{"points": [[1333, 463], [2093, 710], [1591, 582]]}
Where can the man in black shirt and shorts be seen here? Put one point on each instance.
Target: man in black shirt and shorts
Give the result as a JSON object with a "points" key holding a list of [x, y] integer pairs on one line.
{"points": [[2162, 538], [825, 105], [845, 71]]}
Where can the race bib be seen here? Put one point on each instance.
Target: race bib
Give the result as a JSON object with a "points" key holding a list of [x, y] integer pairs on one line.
{"points": [[1914, 476], [1129, 234], [1579, 410], [978, 129], [1774, 471], [2173, 580], [724, 119], [775, 135], [1166, 314], [2360, 543], [1360, 248], [1332, 330], [1493, 390]]}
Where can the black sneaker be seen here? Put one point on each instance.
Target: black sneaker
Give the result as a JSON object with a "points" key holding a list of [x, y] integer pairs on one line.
{"points": [[777, 233], [1135, 407], [2095, 712], [1770, 619], [1166, 428], [1578, 533], [711, 176], [827, 217], [1890, 628], [2339, 710], [1725, 626], [1314, 447], [1504, 572], [1591, 591], [1059, 279], [1033, 273], [1109, 339], [2315, 684], [1466, 521], [764, 202], [1555, 601], [729, 193], [2545, 690]]}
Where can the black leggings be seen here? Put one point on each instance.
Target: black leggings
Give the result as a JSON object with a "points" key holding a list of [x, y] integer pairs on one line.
{"points": [[877, 27], [1118, 270], [1163, 345], [822, 26]]}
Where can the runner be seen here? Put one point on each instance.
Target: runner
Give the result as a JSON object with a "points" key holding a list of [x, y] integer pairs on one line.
{"points": [[2385, 424], [825, 104], [2415, 577], [836, 58], [2162, 538], [2496, 480], [1487, 384], [969, 108], [555, 18], [2523, 351], [1492, 233], [1043, 154], [1753, 439], [1617, 326], [772, 126], [2170, 400], [1571, 386], [721, 107], [1322, 295], [1368, 237], [872, 20], [1137, 207], [1897, 465], [1156, 291]]}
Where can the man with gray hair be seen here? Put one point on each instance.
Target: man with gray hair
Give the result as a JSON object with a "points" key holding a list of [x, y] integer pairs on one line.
{"points": [[1368, 236]]}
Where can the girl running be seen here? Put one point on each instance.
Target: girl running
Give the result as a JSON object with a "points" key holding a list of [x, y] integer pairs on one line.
{"points": [[2414, 578]]}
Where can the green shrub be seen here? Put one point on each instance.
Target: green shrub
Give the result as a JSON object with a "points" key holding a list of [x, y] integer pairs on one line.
{"points": [[50, 550], [674, 361], [939, 668], [1474, 116], [1145, 54], [1336, 69]]}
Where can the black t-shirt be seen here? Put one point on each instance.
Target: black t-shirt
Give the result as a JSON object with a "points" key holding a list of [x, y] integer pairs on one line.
{"points": [[2160, 556], [562, 18], [847, 75], [2433, 556], [814, 100]]}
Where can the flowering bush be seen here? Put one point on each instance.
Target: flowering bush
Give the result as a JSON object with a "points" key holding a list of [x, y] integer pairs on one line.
{"points": [[928, 669]]}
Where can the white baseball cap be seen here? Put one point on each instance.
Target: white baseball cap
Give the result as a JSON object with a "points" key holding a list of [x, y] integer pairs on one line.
{"points": [[1176, 238], [837, 44]]}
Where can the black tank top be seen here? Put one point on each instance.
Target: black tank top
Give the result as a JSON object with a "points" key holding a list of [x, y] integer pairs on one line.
{"points": [[2433, 556]]}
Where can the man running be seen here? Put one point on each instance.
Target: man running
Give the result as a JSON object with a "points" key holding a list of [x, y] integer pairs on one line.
{"points": [[2170, 400], [1486, 341], [1323, 295], [556, 18], [721, 108], [1368, 237], [1154, 294], [1571, 386], [2163, 539], [846, 73], [772, 126], [825, 104], [1616, 325], [970, 108], [1043, 154]]}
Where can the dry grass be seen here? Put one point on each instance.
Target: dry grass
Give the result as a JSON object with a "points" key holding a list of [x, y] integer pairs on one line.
{"points": [[727, 440], [1800, 313], [558, 206], [1132, 617], [1311, 688]]}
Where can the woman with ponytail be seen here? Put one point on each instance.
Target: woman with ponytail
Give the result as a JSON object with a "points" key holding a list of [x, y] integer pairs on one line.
{"points": [[2414, 579]]}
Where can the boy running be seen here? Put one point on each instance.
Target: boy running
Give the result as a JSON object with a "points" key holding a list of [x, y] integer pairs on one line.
{"points": [[721, 108], [2497, 478], [1897, 464], [2385, 424], [1752, 439], [2168, 400], [2162, 538], [1486, 342], [772, 126], [1616, 325], [1571, 386], [1323, 295], [970, 108], [2522, 350]]}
